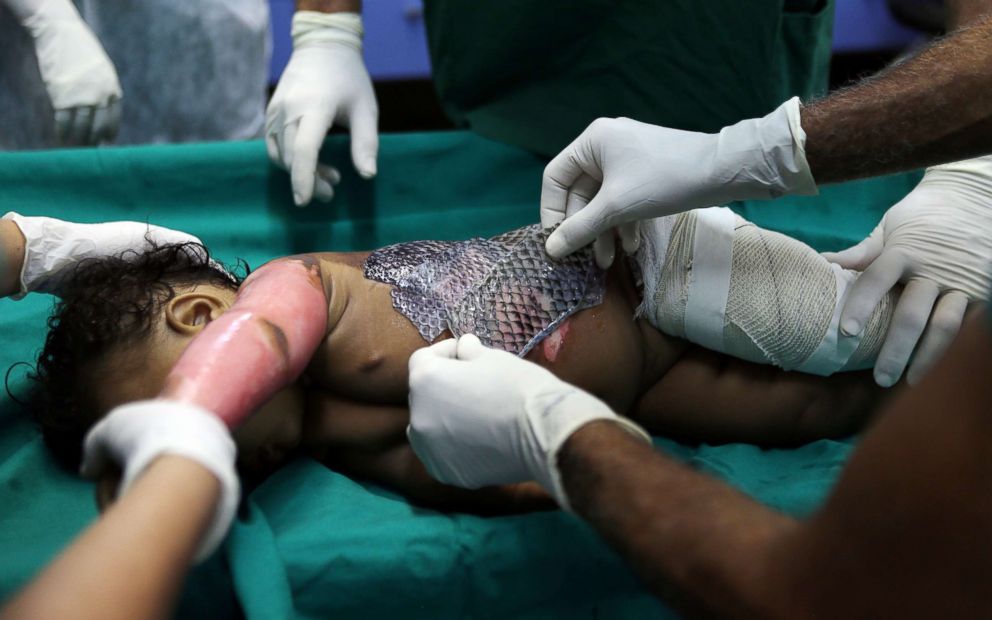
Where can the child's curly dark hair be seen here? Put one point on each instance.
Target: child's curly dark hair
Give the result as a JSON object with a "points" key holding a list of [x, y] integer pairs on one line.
{"points": [[106, 303]]}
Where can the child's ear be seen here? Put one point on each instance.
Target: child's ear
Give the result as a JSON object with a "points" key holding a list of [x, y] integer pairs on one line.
{"points": [[188, 313]]}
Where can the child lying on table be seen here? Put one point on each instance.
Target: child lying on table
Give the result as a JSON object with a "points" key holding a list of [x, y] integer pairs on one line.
{"points": [[124, 321]]}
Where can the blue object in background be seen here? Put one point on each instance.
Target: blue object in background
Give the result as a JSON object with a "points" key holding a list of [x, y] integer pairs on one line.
{"points": [[868, 26], [395, 39], [396, 42]]}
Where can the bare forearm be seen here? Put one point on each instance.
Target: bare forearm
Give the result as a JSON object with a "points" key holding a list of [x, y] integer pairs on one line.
{"points": [[131, 563], [330, 6], [11, 257], [929, 109], [691, 539], [906, 531]]}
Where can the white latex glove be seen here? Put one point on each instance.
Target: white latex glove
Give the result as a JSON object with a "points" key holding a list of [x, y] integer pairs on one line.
{"points": [[53, 246], [325, 82], [79, 76], [480, 417], [938, 240], [620, 171], [136, 434]]}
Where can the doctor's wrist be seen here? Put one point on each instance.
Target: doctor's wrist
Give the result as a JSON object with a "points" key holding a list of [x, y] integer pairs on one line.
{"points": [[330, 6], [567, 415], [318, 28]]}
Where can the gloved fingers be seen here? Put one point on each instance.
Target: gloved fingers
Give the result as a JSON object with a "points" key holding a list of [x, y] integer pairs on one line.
{"points": [[944, 325], [579, 230], [470, 348], [446, 349], [80, 127], [560, 175], [860, 255], [908, 322], [63, 121], [364, 138], [165, 236], [273, 127], [106, 120], [580, 194], [327, 178], [304, 150], [113, 119], [272, 148], [100, 129], [322, 190], [287, 139], [328, 173], [630, 236], [64, 126], [582, 191], [605, 249], [877, 280]]}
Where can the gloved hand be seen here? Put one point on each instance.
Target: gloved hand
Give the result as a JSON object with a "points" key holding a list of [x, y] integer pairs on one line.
{"points": [[52, 246], [938, 240], [480, 417], [620, 171], [136, 434], [324, 83], [79, 76]]}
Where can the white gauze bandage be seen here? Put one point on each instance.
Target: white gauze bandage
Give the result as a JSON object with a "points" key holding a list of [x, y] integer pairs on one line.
{"points": [[719, 281]]}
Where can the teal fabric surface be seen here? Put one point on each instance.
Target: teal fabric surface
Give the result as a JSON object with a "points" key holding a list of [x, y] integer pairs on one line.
{"points": [[310, 542]]}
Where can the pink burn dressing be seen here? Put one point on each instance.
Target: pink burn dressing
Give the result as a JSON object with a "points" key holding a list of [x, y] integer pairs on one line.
{"points": [[552, 345], [263, 343]]}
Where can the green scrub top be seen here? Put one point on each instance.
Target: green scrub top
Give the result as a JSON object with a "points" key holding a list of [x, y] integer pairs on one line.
{"points": [[535, 73]]}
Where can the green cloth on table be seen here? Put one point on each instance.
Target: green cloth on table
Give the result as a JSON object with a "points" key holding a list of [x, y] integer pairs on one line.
{"points": [[311, 542], [535, 74]]}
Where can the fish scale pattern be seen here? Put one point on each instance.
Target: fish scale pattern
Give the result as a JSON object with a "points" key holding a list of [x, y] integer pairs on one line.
{"points": [[505, 289]]}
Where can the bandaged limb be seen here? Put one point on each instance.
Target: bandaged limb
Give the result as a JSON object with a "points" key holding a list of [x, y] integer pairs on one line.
{"points": [[721, 282], [259, 346]]}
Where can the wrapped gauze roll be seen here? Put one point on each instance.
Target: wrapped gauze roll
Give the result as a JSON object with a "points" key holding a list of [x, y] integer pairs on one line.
{"points": [[719, 281]]}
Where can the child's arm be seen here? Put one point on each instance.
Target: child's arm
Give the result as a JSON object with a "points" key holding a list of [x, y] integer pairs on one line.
{"points": [[368, 441], [712, 397]]}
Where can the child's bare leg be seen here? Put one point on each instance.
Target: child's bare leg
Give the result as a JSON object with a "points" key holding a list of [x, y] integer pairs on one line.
{"points": [[713, 398]]}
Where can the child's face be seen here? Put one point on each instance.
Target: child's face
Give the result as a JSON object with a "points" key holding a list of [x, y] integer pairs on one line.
{"points": [[139, 372]]}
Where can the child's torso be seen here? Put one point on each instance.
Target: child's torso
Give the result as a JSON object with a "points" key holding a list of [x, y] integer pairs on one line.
{"points": [[601, 349]]}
